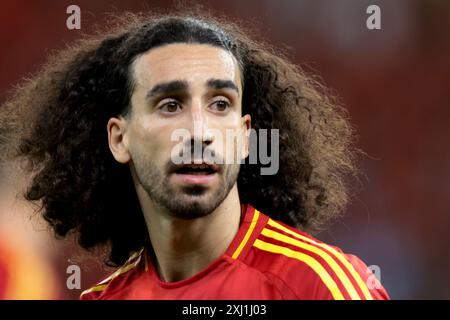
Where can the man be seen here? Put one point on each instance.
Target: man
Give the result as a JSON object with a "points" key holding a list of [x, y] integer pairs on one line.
{"points": [[105, 148]]}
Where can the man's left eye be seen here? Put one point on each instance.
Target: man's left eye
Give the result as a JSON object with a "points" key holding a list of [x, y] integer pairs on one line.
{"points": [[220, 105]]}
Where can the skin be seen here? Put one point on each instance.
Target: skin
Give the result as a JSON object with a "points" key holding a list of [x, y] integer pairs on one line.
{"points": [[189, 224]]}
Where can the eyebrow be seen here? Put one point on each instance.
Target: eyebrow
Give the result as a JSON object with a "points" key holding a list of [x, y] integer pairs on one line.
{"points": [[178, 86], [167, 87], [222, 84]]}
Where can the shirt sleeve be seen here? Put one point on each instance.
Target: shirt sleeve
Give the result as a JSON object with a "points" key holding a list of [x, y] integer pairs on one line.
{"points": [[372, 283]]}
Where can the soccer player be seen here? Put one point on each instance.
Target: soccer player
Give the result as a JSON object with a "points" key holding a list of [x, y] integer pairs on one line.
{"points": [[114, 112]]}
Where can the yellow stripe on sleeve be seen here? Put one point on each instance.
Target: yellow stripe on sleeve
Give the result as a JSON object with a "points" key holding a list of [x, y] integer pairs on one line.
{"points": [[104, 283], [324, 255], [310, 261], [336, 253], [96, 288]]}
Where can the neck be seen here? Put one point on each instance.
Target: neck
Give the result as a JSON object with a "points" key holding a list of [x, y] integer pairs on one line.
{"points": [[183, 247]]}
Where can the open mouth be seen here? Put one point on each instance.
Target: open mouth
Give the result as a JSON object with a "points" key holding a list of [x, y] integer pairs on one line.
{"points": [[196, 169]]}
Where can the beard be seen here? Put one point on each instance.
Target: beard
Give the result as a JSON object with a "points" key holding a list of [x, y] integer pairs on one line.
{"points": [[185, 202]]}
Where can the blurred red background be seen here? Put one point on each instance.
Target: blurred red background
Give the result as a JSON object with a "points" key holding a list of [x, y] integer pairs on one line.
{"points": [[394, 81]]}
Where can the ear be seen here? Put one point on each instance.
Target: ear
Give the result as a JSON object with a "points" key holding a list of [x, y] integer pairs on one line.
{"points": [[246, 126], [118, 139]]}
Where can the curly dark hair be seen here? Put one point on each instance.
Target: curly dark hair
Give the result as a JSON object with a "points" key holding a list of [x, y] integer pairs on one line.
{"points": [[83, 191]]}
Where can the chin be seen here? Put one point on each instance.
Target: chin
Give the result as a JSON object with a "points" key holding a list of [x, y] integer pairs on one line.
{"points": [[191, 206]]}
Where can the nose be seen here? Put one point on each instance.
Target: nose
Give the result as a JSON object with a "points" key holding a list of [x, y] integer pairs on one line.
{"points": [[199, 129], [200, 134]]}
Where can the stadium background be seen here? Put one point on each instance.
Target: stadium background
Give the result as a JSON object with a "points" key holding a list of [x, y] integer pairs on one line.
{"points": [[394, 81]]}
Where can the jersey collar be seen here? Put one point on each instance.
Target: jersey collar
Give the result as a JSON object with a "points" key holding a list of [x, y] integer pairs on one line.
{"points": [[252, 222]]}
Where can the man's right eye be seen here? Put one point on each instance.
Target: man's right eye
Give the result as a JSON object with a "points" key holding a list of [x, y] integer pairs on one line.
{"points": [[170, 107]]}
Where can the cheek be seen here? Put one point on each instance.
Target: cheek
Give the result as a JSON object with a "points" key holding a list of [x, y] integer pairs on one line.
{"points": [[151, 142], [230, 140]]}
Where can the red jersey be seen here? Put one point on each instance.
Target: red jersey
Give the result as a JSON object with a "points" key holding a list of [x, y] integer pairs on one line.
{"points": [[267, 259]]}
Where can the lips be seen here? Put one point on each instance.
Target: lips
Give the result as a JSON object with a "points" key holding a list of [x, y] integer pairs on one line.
{"points": [[196, 169], [203, 174]]}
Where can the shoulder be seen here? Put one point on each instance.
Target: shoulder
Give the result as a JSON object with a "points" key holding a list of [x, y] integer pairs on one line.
{"points": [[116, 280], [310, 268]]}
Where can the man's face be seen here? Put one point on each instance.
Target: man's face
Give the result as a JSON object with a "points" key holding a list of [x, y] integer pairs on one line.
{"points": [[186, 98]]}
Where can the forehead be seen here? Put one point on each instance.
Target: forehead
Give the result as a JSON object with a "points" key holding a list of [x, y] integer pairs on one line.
{"points": [[190, 62]]}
